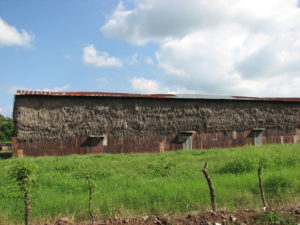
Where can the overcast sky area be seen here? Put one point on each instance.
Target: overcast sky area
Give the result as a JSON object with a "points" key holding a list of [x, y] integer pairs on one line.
{"points": [[244, 47]]}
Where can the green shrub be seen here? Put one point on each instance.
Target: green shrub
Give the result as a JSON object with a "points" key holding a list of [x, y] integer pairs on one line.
{"points": [[6, 128], [274, 218]]}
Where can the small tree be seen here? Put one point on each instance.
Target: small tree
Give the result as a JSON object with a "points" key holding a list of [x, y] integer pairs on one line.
{"points": [[23, 174]]}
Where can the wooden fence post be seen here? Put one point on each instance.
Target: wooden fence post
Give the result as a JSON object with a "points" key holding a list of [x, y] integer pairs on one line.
{"points": [[90, 205], [261, 187], [211, 188]]}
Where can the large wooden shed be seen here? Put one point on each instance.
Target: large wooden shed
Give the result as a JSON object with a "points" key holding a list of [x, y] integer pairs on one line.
{"points": [[62, 123]]}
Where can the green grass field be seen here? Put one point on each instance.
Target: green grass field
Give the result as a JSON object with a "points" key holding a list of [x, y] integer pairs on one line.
{"points": [[153, 184]]}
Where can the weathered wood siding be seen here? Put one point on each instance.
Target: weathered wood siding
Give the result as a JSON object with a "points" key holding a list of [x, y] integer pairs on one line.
{"points": [[153, 144]]}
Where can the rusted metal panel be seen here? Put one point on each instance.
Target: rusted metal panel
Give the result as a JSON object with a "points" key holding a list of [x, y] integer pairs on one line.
{"points": [[203, 136], [154, 144], [14, 146]]}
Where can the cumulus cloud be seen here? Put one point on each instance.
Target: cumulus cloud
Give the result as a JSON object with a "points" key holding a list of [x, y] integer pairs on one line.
{"points": [[146, 86], [99, 59], [143, 85], [9, 35], [156, 20], [245, 47]]}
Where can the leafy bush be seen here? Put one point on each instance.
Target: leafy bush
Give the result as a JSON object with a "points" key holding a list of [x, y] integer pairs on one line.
{"points": [[6, 128], [22, 173], [274, 218]]}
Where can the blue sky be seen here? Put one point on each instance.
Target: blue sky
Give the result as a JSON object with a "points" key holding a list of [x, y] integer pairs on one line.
{"points": [[171, 46]]}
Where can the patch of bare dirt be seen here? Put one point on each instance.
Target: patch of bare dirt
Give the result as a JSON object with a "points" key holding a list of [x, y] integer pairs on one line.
{"points": [[240, 217]]}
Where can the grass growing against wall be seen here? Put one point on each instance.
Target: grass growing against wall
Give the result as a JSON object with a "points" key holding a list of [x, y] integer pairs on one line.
{"points": [[153, 184]]}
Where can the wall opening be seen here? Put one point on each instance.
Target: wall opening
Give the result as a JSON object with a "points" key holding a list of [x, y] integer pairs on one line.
{"points": [[186, 138], [258, 134], [94, 140]]}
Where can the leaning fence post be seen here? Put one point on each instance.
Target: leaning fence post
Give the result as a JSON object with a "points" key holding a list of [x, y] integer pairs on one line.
{"points": [[261, 187], [211, 188]]}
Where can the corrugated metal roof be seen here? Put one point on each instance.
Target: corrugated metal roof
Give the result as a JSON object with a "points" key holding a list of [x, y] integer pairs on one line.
{"points": [[197, 96], [270, 99], [90, 94], [178, 96]]}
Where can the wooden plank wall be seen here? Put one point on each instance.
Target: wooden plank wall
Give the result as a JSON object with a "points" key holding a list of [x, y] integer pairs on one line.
{"points": [[154, 144]]}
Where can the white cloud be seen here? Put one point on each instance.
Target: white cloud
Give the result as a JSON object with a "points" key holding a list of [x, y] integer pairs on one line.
{"points": [[147, 86], [9, 35], [156, 20], [143, 85], [63, 88], [149, 60], [99, 59], [245, 47], [170, 69], [1, 110]]}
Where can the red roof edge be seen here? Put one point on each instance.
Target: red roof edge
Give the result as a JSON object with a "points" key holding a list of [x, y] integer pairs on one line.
{"points": [[90, 94]]}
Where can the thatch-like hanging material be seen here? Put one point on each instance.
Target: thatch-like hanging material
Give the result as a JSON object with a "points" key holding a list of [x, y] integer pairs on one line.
{"points": [[51, 117]]}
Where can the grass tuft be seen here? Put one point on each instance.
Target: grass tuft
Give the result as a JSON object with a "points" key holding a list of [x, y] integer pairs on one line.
{"points": [[275, 218]]}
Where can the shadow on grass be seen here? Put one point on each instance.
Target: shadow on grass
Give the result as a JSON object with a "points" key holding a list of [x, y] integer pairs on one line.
{"points": [[5, 155]]}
